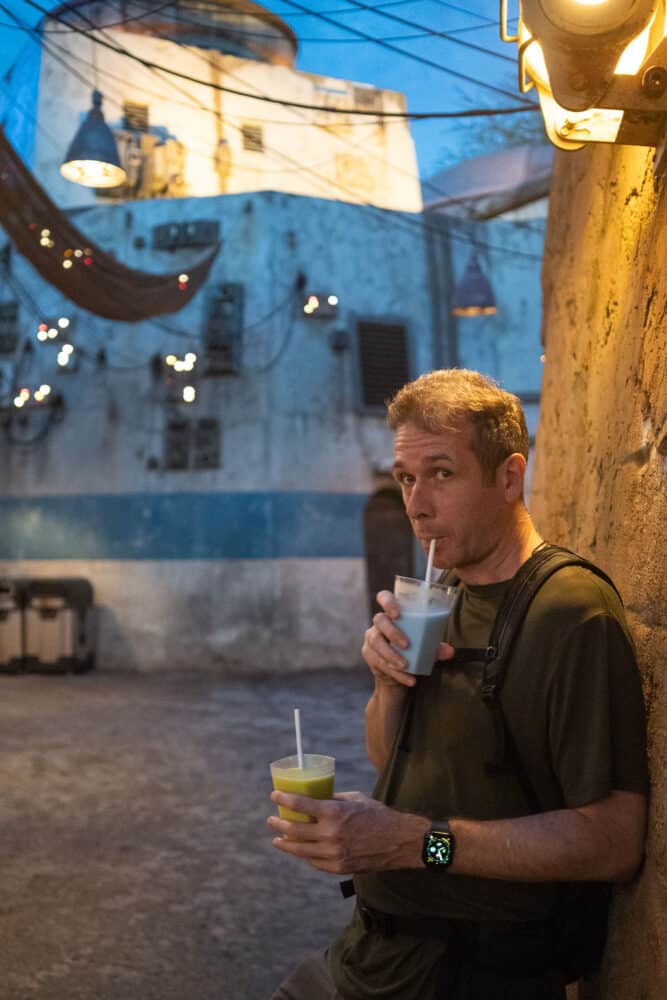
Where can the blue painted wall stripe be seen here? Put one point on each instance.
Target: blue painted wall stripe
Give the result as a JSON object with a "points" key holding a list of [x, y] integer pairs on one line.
{"points": [[183, 526]]}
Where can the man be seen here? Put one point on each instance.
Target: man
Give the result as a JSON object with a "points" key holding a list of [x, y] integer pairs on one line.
{"points": [[478, 927]]}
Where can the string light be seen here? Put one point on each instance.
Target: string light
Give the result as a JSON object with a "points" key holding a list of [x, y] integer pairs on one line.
{"points": [[38, 395], [189, 393], [184, 364]]}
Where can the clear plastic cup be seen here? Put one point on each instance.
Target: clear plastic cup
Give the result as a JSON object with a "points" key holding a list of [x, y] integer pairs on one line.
{"points": [[425, 609], [315, 779]]}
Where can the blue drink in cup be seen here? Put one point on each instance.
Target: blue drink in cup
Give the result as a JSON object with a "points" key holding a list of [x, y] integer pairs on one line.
{"points": [[424, 608]]}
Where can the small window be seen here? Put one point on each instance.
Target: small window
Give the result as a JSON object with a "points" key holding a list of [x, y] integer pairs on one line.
{"points": [[368, 98], [207, 444], [192, 444], [383, 361], [135, 116], [253, 138], [177, 444], [9, 332]]}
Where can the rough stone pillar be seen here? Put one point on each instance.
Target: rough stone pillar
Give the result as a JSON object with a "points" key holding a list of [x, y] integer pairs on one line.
{"points": [[601, 465]]}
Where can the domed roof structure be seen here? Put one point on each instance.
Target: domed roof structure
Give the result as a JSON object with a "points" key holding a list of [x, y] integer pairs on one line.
{"points": [[234, 27]]}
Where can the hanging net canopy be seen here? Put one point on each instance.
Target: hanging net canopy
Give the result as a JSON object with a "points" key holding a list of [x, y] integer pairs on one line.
{"points": [[69, 261]]}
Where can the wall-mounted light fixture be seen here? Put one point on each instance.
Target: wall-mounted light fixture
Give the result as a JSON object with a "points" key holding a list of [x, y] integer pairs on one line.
{"points": [[473, 295], [92, 158], [599, 67]]}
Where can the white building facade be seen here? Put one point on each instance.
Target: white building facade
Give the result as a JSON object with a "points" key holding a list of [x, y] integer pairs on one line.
{"points": [[221, 475]]}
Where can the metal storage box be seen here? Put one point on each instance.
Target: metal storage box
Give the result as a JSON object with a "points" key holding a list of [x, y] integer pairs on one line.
{"points": [[59, 626], [11, 626]]}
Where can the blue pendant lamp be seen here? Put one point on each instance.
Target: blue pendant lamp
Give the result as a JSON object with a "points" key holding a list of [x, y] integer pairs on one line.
{"points": [[473, 295], [92, 158]]}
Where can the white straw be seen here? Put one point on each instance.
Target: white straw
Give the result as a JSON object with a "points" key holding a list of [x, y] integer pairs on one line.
{"points": [[429, 564], [297, 729]]}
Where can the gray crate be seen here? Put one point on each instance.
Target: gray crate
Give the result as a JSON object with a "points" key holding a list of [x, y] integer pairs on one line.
{"points": [[11, 627], [60, 626]]}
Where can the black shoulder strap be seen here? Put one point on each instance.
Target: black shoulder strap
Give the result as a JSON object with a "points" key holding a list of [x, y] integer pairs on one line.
{"points": [[543, 563]]}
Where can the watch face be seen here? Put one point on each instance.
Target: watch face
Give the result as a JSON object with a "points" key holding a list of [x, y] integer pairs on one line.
{"points": [[438, 849]]}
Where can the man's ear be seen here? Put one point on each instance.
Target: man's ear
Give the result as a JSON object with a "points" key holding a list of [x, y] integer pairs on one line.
{"points": [[510, 476]]}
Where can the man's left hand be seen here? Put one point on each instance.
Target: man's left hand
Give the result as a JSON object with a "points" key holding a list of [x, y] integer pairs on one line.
{"points": [[352, 833]]}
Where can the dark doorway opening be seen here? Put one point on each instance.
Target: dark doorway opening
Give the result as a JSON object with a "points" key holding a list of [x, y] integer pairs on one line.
{"points": [[388, 543]]}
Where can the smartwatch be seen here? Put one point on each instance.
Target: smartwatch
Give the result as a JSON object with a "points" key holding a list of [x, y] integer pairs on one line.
{"points": [[439, 843]]}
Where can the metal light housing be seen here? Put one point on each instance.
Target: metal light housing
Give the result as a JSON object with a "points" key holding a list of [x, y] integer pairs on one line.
{"points": [[473, 295], [599, 67], [92, 158]]}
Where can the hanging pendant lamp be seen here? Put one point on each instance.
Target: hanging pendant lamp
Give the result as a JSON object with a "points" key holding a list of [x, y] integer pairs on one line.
{"points": [[92, 158], [473, 295]]}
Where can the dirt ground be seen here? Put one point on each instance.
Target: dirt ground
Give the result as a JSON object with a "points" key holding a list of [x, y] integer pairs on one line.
{"points": [[136, 863]]}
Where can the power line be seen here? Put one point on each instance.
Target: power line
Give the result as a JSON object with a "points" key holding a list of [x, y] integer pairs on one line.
{"points": [[447, 36], [373, 116], [327, 181], [406, 222], [402, 220], [184, 76], [425, 33], [405, 52]]}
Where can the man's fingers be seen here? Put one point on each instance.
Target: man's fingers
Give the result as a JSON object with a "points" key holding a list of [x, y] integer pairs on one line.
{"points": [[319, 808], [313, 851], [385, 629], [388, 603], [445, 651]]}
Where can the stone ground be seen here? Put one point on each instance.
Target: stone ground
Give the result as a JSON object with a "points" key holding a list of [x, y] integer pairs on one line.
{"points": [[135, 862]]}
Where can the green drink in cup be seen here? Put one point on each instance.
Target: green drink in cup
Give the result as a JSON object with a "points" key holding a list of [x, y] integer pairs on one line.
{"points": [[314, 779], [310, 774]]}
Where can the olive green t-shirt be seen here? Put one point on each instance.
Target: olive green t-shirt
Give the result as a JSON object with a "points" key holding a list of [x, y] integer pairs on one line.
{"points": [[573, 702]]}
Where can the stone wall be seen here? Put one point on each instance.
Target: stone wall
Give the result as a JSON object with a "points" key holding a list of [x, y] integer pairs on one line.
{"points": [[601, 464]]}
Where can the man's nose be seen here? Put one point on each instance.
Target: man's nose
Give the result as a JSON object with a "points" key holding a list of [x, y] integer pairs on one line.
{"points": [[418, 504]]}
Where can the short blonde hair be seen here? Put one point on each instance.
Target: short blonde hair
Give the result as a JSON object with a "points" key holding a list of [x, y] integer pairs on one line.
{"points": [[452, 398]]}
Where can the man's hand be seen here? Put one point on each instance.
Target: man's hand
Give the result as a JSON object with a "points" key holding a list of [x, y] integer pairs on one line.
{"points": [[352, 834], [385, 663]]}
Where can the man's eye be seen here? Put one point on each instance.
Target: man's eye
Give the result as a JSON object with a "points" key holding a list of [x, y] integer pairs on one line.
{"points": [[443, 473], [406, 480]]}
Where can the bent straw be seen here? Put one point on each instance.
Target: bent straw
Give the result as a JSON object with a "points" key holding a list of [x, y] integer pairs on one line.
{"points": [[297, 730], [429, 564]]}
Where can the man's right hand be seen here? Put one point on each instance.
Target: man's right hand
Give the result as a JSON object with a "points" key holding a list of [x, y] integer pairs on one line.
{"points": [[386, 664]]}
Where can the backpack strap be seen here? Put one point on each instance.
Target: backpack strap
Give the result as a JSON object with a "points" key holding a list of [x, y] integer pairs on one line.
{"points": [[542, 564], [545, 560]]}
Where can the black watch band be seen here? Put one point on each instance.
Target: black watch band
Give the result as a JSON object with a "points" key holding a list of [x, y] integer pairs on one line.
{"points": [[439, 843]]}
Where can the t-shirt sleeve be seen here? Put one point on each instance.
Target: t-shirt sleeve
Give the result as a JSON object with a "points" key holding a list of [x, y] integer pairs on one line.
{"points": [[597, 723]]}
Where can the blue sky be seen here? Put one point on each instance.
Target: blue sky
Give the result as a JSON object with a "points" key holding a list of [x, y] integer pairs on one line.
{"points": [[333, 49]]}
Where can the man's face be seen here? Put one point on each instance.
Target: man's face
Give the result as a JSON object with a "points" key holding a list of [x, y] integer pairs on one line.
{"points": [[446, 496]]}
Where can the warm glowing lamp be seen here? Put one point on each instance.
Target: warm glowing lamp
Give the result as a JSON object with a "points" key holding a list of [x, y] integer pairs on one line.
{"points": [[473, 296], [92, 158], [599, 68]]}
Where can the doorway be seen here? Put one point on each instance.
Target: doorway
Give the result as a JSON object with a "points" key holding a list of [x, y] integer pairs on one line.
{"points": [[388, 542]]}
